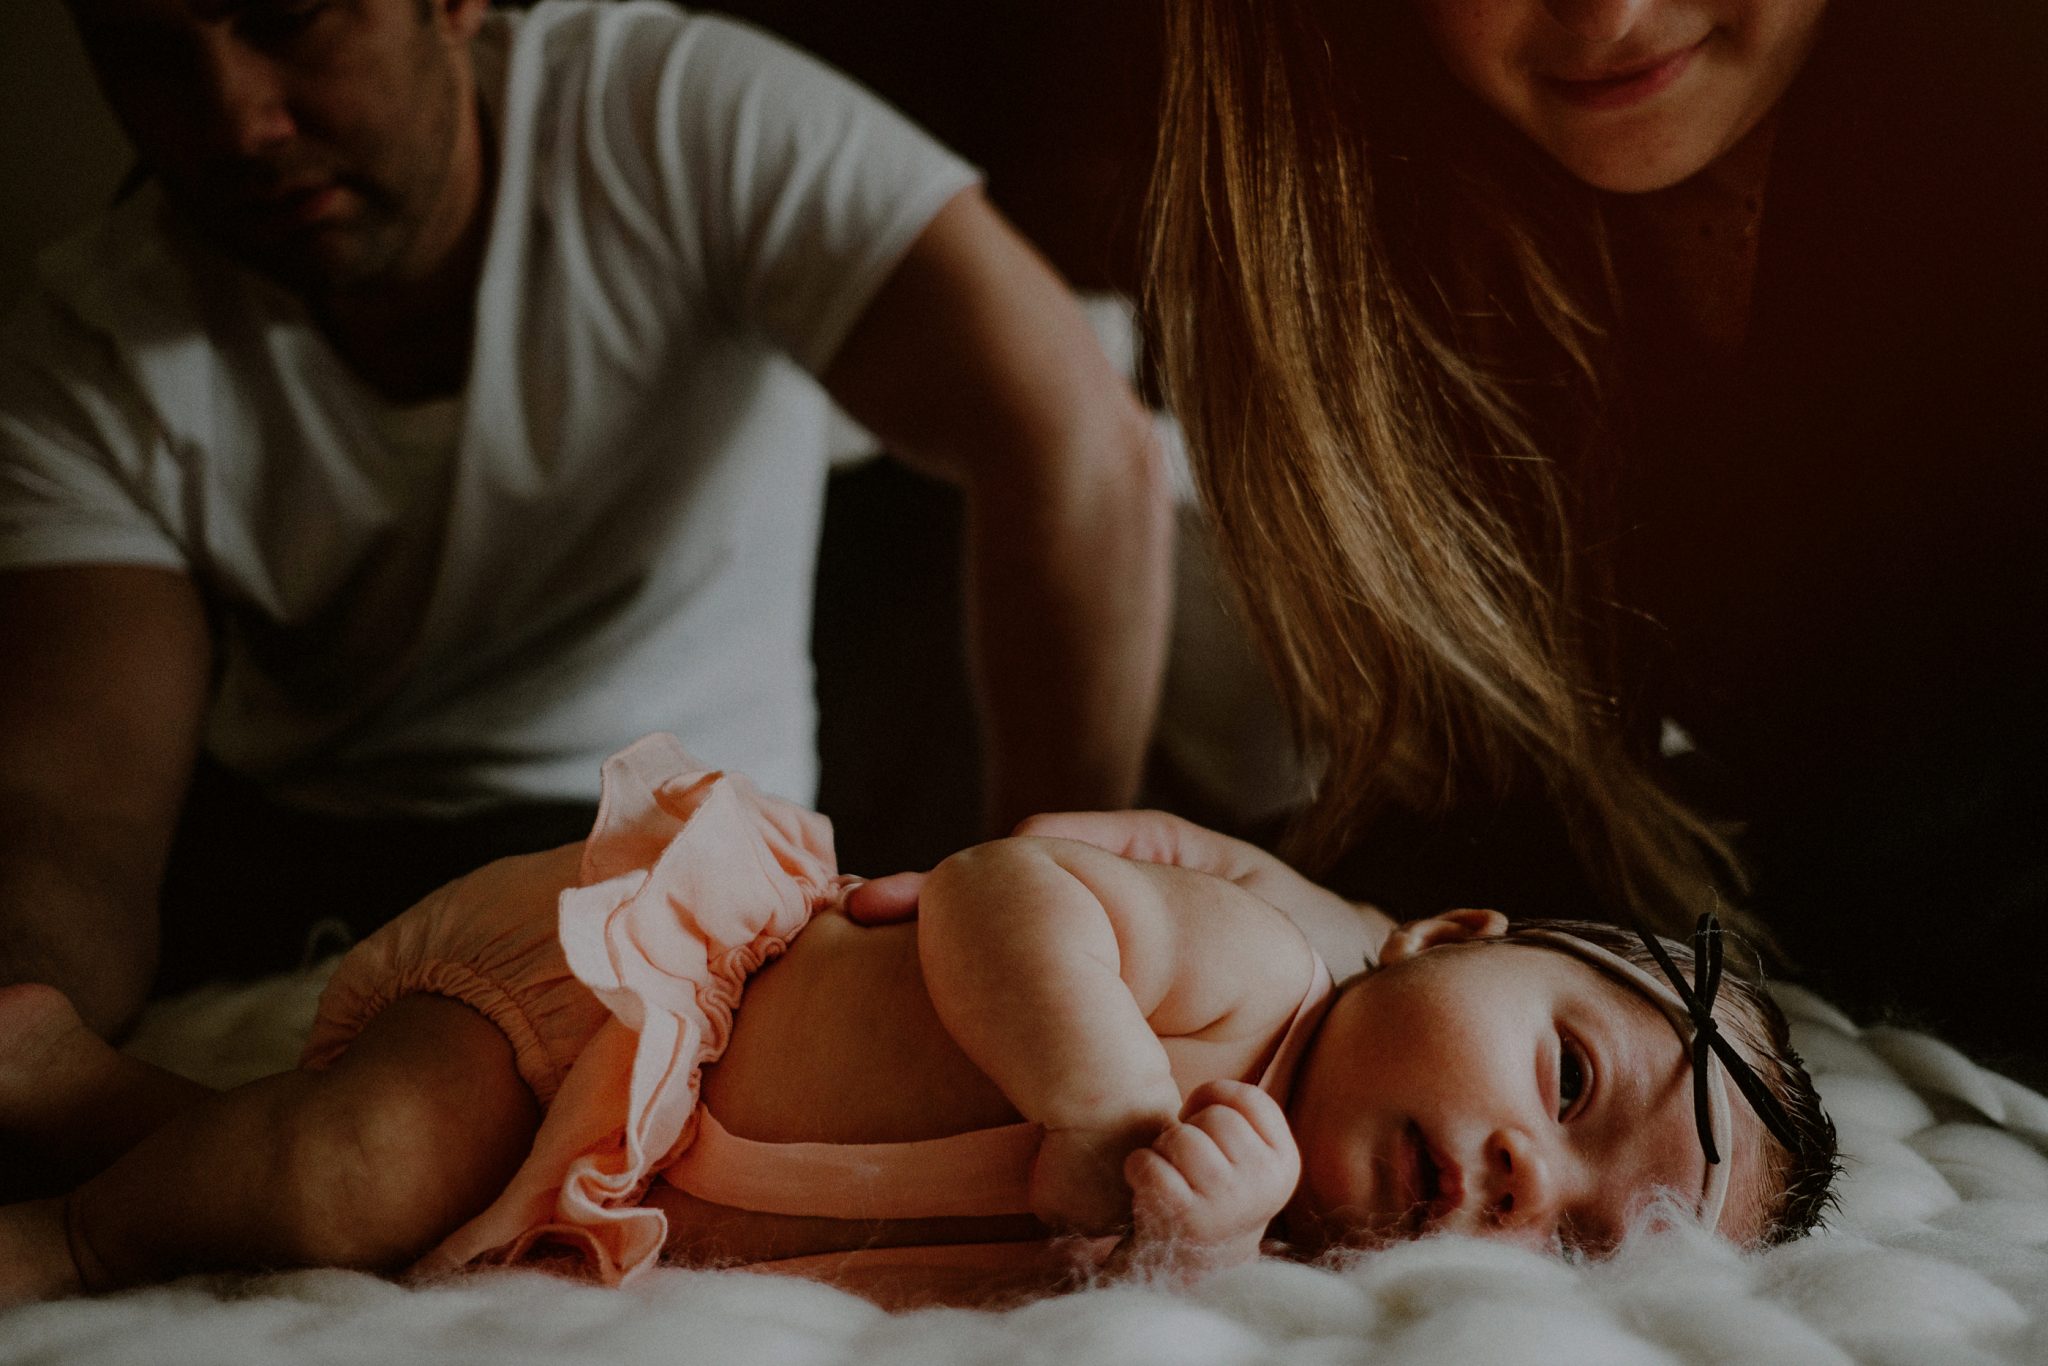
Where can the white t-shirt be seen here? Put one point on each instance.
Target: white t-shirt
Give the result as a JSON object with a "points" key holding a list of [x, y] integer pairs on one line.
{"points": [[612, 531]]}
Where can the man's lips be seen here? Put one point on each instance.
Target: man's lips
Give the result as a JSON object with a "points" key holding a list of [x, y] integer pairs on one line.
{"points": [[1620, 86], [297, 206]]}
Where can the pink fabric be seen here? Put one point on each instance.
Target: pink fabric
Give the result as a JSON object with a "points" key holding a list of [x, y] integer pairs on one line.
{"points": [[984, 1172], [691, 881], [489, 941]]}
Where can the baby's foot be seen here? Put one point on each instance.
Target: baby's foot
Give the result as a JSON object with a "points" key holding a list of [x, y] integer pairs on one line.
{"points": [[35, 1258], [51, 1065]]}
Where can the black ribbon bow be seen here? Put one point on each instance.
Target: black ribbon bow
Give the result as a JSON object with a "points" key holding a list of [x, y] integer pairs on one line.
{"points": [[1708, 1043]]}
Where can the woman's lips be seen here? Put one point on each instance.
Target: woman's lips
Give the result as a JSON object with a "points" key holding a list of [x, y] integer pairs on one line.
{"points": [[1628, 86]]}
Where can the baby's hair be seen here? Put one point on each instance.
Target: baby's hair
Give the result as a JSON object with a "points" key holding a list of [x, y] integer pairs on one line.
{"points": [[1800, 1190]]}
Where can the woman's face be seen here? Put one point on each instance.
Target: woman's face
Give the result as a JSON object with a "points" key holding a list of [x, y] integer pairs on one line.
{"points": [[1629, 95]]}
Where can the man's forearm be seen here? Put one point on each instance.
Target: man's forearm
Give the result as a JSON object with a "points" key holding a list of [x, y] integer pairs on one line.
{"points": [[68, 920], [1070, 587]]}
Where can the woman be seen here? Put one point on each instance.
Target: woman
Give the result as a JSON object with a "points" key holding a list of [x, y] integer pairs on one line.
{"points": [[1624, 420]]}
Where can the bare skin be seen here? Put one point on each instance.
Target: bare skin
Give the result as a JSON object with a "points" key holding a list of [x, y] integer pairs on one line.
{"points": [[73, 1103], [339, 149], [1689, 254], [365, 1165], [423, 1121], [1120, 1006]]}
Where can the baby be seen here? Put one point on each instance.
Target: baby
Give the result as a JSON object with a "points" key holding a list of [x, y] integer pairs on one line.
{"points": [[1070, 1064]]}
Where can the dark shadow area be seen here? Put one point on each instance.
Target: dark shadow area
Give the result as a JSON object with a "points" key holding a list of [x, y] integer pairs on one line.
{"points": [[896, 730], [1057, 104]]}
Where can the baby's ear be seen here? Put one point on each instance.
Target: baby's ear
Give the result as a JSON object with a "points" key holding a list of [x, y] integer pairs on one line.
{"points": [[1452, 927]]}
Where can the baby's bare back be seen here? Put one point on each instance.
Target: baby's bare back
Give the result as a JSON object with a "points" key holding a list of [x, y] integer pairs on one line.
{"points": [[837, 1042]]}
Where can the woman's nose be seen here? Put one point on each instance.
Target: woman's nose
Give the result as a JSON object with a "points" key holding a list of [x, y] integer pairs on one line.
{"points": [[1598, 21]]}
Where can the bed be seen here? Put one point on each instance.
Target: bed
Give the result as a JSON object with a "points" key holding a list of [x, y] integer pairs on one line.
{"points": [[1939, 1254]]}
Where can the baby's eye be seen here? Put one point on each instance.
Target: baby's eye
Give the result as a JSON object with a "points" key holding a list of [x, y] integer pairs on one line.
{"points": [[1571, 1075]]}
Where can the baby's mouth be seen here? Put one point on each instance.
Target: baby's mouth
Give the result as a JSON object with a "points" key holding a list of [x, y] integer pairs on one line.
{"points": [[1437, 1187]]}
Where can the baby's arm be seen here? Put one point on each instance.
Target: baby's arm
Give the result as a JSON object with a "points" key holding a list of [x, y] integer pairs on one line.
{"points": [[1343, 932], [1058, 967]]}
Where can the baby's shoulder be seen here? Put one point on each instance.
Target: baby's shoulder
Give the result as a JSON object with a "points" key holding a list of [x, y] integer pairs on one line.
{"points": [[1243, 966]]}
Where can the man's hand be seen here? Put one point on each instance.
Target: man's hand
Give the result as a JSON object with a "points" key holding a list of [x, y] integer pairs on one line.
{"points": [[1205, 1189]]}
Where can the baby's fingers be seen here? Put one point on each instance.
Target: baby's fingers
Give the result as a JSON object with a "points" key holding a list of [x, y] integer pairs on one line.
{"points": [[1201, 1156], [1158, 1188], [1239, 1116]]}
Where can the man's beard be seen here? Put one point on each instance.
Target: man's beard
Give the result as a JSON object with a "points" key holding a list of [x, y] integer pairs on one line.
{"points": [[320, 261]]}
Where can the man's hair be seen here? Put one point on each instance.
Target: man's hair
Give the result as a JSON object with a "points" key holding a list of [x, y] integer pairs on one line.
{"points": [[1799, 1187]]}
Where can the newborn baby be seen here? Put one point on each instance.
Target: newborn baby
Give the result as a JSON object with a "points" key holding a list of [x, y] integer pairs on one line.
{"points": [[1070, 1065]]}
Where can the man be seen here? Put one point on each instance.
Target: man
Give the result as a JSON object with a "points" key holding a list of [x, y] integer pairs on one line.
{"points": [[434, 421]]}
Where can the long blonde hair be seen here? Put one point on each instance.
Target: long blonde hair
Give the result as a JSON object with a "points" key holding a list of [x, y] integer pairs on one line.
{"points": [[1370, 310]]}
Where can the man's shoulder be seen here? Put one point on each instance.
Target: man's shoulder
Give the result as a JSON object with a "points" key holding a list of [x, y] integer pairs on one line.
{"points": [[616, 35], [631, 63]]}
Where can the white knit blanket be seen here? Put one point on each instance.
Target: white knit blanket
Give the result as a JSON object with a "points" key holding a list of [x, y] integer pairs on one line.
{"points": [[1939, 1255]]}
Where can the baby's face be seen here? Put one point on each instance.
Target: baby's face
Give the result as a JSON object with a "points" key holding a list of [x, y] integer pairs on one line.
{"points": [[1503, 1090]]}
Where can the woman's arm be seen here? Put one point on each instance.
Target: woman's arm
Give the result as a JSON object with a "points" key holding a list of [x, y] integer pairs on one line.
{"points": [[1057, 967]]}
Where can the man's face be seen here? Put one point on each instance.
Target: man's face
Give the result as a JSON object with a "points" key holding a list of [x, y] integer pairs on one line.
{"points": [[1628, 95], [1502, 1090], [310, 139]]}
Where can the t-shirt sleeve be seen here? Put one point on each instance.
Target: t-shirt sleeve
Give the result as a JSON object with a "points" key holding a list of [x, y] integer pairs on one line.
{"points": [[801, 190], [77, 449]]}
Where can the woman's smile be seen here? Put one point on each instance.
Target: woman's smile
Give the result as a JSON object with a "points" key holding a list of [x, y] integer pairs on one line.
{"points": [[1624, 84]]}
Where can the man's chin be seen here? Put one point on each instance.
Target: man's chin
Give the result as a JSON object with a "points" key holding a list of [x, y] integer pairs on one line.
{"points": [[326, 259], [312, 269]]}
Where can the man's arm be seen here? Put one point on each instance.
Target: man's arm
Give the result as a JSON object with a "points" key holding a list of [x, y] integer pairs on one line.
{"points": [[1058, 967], [102, 689], [974, 362]]}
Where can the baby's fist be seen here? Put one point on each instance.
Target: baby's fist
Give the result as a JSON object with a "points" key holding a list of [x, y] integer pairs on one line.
{"points": [[1215, 1180]]}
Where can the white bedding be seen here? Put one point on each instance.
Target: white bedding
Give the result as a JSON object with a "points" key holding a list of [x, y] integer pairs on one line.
{"points": [[1939, 1255]]}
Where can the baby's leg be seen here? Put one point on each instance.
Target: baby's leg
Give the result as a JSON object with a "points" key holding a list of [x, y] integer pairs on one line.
{"points": [[414, 1129], [70, 1103]]}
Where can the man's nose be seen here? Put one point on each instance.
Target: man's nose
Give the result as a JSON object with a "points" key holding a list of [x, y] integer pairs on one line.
{"points": [[245, 100], [1598, 21]]}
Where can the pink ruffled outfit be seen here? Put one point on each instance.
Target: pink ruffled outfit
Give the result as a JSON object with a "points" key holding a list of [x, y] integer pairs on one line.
{"points": [[691, 880]]}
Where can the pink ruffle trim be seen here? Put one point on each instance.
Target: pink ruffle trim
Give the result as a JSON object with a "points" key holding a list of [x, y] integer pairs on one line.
{"points": [[691, 881]]}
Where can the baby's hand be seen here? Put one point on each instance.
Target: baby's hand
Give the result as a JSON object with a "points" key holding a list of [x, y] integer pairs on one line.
{"points": [[1204, 1191]]}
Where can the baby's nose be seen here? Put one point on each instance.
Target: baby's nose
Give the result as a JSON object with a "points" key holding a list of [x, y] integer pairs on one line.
{"points": [[1521, 1189]]}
